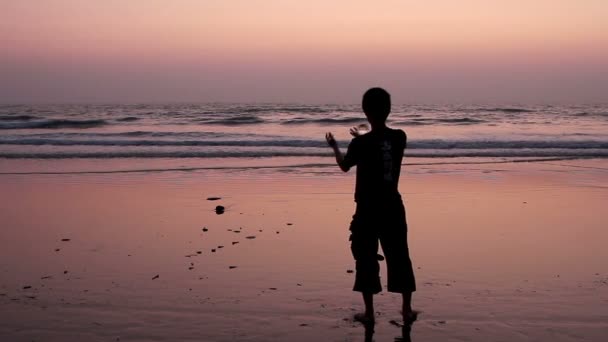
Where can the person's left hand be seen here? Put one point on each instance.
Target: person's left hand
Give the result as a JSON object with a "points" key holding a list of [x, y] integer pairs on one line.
{"points": [[355, 132]]}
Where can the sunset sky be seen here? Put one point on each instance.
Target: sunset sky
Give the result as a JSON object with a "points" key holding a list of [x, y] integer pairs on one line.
{"points": [[314, 51]]}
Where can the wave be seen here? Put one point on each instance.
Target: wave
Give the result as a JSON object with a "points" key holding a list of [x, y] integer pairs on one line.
{"points": [[429, 144], [329, 121], [128, 119], [54, 124], [434, 121], [17, 117], [590, 153], [235, 120], [506, 110]]}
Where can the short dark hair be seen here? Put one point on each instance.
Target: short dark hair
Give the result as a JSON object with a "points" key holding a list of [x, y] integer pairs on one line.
{"points": [[376, 104]]}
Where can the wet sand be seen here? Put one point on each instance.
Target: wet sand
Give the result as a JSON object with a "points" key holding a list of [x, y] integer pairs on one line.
{"points": [[503, 252]]}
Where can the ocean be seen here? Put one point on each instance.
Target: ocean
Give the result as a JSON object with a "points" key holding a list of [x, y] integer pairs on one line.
{"points": [[292, 135]]}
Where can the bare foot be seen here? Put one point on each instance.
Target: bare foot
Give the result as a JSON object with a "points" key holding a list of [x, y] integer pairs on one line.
{"points": [[365, 318], [410, 316]]}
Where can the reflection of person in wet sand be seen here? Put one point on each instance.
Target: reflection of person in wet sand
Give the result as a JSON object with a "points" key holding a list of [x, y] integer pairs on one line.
{"points": [[380, 214]]}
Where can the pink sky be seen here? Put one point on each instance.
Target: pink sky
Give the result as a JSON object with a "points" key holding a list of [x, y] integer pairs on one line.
{"points": [[303, 51]]}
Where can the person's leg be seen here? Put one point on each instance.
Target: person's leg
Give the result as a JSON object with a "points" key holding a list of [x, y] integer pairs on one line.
{"points": [[409, 315], [369, 315], [393, 238], [364, 246]]}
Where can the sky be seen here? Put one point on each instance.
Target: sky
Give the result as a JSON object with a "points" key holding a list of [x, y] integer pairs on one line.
{"points": [[313, 51]]}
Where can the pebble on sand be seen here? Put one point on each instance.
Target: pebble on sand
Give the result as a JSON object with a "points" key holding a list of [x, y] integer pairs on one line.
{"points": [[199, 252], [220, 246], [213, 198], [205, 229], [234, 242], [64, 240], [213, 250], [251, 237], [289, 224], [272, 288], [65, 272], [155, 277], [57, 249], [231, 267], [219, 209], [349, 271], [27, 287]]}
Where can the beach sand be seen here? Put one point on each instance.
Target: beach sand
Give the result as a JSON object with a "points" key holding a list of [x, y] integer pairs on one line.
{"points": [[502, 252]]}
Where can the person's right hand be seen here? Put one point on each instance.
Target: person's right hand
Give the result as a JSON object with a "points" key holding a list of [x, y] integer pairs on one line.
{"points": [[330, 139]]}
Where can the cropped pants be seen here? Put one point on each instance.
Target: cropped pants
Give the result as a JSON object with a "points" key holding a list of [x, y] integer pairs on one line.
{"points": [[383, 223]]}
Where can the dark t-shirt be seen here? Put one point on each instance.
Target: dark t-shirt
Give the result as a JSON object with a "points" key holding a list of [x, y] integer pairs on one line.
{"points": [[378, 155]]}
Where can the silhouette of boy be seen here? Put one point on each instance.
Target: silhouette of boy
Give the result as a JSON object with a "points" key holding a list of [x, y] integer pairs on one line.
{"points": [[380, 214]]}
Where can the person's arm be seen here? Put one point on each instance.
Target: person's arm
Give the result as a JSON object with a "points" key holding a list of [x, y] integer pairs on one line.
{"points": [[337, 153]]}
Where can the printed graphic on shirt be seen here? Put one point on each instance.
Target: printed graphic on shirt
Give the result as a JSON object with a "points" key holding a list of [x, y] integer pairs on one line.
{"points": [[388, 160]]}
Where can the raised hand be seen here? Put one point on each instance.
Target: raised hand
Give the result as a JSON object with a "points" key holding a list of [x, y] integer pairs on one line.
{"points": [[330, 139], [359, 130]]}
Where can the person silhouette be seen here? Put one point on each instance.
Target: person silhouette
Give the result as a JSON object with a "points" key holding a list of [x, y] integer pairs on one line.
{"points": [[380, 213]]}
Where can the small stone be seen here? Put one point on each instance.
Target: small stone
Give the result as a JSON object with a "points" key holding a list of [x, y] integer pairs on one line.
{"points": [[65, 240], [290, 224], [303, 325], [191, 268], [349, 271], [65, 272], [231, 267], [213, 250], [213, 198], [155, 277], [205, 229], [251, 237], [47, 277], [299, 284], [27, 287], [272, 288], [234, 242], [199, 252], [220, 209], [57, 249]]}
